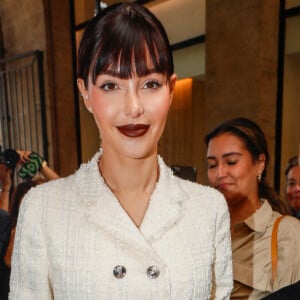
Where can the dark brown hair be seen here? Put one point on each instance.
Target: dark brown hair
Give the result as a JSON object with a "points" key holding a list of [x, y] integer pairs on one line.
{"points": [[122, 38], [254, 139], [292, 162]]}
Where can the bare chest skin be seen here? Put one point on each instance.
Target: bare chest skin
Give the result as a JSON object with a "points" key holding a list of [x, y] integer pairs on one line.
{"points": [[135, 204]]}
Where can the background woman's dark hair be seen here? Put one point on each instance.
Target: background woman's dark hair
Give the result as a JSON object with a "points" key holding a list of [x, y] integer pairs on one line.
{"points": [[17, 196], [292, 162], [255, 142], [124, 35]]}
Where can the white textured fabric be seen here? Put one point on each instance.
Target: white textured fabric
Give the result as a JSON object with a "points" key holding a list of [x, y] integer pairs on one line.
{"points": [[72, 232]]}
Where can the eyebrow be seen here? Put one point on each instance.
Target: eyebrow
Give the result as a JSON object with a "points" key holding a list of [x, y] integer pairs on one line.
{"points": [[225, 155]]}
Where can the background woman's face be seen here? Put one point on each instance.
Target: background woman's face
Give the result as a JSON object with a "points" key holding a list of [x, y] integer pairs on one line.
{"points": [[231, 168], [293, 187], [130, 113]]}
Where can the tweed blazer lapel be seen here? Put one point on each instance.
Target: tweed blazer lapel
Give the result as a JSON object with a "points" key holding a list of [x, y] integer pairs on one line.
{"points": [[165, 207], [103, 211]]}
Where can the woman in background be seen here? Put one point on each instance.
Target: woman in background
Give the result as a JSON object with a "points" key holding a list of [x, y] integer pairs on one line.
{"points": [[237, 158], [292, 174], [5, 263], [123, 226]]}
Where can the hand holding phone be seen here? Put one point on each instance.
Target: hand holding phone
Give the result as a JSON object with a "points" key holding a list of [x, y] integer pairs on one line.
{"points": [[31, 167]]}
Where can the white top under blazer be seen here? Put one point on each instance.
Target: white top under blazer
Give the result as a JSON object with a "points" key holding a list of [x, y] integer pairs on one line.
{"points": [[75, 241]]}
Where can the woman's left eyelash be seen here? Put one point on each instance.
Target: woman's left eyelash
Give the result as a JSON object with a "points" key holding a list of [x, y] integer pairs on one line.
{"points": [[153, 82]]}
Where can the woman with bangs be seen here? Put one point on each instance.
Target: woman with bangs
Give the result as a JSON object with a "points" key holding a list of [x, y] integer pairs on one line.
{"points": [[123, 226]]}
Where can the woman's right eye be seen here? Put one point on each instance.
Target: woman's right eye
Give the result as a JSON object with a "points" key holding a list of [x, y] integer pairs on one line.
{"points": [[109, 86], [291, 183], [211, 166]]}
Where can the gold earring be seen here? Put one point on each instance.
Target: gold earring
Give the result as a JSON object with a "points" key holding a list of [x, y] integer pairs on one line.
{"points": [[259, 177]]}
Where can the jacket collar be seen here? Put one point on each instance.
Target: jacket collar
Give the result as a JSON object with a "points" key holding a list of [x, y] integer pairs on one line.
{"points": [[104, 212]]}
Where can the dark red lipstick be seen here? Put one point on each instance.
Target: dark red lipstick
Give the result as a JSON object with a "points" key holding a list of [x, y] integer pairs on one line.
{"points": [[133, 130]]}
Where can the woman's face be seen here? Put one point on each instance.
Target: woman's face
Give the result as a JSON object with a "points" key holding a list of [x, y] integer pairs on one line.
{"points": [[293, 187], [231, 168], [130, 113]]}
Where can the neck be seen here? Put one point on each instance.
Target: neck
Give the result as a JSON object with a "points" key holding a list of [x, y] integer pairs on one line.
{"points": [[129, 175], [241, 211]]}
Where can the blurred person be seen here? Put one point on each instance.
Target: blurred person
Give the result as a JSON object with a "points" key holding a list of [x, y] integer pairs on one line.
{"points": [[5, 180], [10, 200], [5, 263], [6, 183], [237, 159], [8, 162], [292, 174], [124, 226]]}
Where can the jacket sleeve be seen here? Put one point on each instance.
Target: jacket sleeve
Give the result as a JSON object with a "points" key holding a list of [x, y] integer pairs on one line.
{"points": [[223, 278], [29, 275]]}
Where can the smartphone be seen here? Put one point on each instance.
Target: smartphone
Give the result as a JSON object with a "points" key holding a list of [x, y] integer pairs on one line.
{"points": [[30, 167], [185, 172]]}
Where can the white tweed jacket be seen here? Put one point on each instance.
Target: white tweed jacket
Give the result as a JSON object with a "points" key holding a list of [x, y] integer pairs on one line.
{"points": [[75, 241]]}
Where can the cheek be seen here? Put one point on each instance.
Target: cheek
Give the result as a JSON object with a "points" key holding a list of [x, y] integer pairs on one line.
{"points": [[246, 174], [104, 111], [211, 177], [158, 109], [246, 181], [289, 192]]}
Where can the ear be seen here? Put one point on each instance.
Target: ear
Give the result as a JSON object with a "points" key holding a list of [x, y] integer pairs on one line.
{"points": [[84, 93], [172, 83], [261, 163]]}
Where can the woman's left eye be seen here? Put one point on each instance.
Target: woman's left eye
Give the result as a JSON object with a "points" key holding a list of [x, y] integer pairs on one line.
{"points": [[231, 162], [152, 84]]}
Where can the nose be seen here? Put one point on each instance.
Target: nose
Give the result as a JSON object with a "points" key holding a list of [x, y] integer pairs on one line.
{"points": [[133, 107], [221, 171]]}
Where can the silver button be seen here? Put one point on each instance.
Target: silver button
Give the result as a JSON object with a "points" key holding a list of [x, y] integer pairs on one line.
{"points": [[152, 272], [119, 271]]}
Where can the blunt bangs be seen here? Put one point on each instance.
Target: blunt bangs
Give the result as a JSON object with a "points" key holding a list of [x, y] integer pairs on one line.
{"points": [[127, 40]]}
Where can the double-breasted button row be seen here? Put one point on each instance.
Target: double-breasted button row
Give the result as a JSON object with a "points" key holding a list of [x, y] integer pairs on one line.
{"points": [[120, 272]]}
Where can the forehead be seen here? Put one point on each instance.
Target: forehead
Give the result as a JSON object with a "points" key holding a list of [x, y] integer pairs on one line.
{"points": [[225, 143], [294, 172]]}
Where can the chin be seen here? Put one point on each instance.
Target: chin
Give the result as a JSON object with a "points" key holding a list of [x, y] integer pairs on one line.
{"points": [[139, 153], [233, 198], [135, 148]]}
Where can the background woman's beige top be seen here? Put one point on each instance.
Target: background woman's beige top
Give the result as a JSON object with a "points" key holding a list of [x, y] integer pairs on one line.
{"points": [[251, 246]]}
